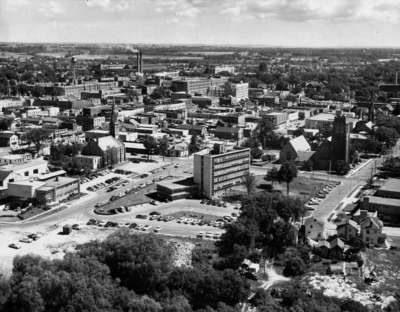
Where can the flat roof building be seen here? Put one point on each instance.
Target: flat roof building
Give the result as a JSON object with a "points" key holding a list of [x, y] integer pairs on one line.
{"points": [[215, 173]]}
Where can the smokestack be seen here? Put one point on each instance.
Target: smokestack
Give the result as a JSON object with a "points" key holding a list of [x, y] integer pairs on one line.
{"points": [[139, 61]]}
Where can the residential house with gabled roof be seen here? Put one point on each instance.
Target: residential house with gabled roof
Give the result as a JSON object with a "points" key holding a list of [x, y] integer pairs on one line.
{"points": [[371, 229], [348, 230]]}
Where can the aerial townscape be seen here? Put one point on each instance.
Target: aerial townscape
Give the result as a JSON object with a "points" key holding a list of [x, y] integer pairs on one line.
{"points": [[198, 177]]}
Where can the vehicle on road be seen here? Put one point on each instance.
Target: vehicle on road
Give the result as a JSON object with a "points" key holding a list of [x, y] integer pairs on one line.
{"points": [[14, 246], [157, 229], [26, 240]]}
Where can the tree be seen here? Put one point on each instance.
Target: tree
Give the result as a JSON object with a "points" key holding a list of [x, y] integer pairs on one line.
{"points": [[195, 144], [387, 135], [294, 266], [262, 67], [256, 153], [272, 175], [150, 144], [287, 172], [36, 136], [249, 181], [5, 123], [342, 167], [265, 222], [140, 262], [163, 146], [308, 165]]}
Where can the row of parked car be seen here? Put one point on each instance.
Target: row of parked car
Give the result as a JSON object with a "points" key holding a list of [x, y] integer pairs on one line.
{"points": [[218, 223], [321, 195], [214, 202], [95, 175], [131, 225], [208, 235], [26, 240]]}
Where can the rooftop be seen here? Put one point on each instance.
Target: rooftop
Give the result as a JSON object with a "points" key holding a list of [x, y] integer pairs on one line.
{"points": [[300, 144], [323, 117], [60, 181], [385, 201], [29, 164], [391, 185]]}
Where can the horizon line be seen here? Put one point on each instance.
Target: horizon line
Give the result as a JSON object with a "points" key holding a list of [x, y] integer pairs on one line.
{"points": [[233, 45]]}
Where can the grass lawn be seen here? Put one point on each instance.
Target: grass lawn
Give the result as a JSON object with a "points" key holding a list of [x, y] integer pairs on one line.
{"points": [[301, 186], [131, 199]]}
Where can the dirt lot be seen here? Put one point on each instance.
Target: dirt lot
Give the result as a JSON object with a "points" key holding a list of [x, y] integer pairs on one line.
{"points": [[386, 264], [377, 295]]}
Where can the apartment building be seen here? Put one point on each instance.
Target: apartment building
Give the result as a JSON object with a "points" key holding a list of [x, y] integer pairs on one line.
{"points": [[215, 173]]}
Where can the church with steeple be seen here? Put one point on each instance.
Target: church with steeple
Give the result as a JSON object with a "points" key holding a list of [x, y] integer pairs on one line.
{"points": [[109, 148]]}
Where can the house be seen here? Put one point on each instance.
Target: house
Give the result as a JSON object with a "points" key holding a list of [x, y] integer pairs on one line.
{"points": [[111, 150], [9, 139], [371, 229], [314, 228], [322, 248], [348, 230], [336, 249], [297, 149], [329, 250]]}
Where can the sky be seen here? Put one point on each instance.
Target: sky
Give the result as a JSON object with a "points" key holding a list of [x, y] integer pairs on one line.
{"points": [[291, 23]]}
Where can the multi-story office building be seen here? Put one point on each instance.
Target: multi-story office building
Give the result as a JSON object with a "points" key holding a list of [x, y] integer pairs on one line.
{"points": [[240, 91], [215, 173], [191, 85]]}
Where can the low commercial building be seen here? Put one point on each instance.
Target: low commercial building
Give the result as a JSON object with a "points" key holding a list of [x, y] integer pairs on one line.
{"points": [[31, 169], [391, 189], [276, 118], [385, 201], [229, 133], [44, 193], [61, 188], [176, 189], [215, 173]]}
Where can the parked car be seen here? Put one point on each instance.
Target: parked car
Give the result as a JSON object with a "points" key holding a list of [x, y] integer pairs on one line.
{"points": [[92, 222], [14, 246], [26, 240], [141, 216]]}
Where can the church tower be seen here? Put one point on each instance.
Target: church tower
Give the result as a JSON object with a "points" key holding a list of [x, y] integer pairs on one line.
{"points": [[114, 124]]}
